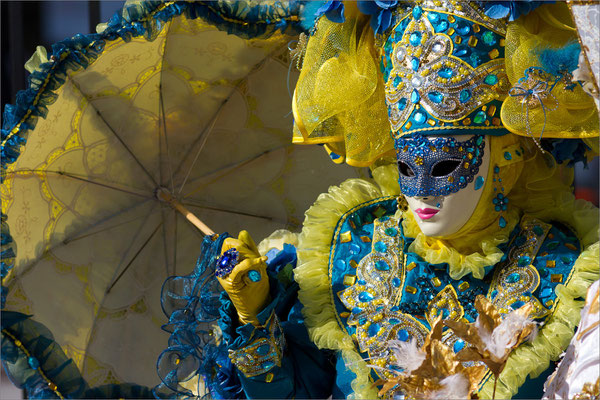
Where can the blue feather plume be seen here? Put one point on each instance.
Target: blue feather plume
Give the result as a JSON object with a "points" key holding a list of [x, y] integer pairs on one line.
{"points": [[558, 60], [308, 15]]}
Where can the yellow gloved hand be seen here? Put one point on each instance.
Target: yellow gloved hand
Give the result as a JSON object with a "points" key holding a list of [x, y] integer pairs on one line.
{"points": [[248, 297]]}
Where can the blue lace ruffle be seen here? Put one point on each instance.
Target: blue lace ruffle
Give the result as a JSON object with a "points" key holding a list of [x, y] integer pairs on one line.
{"points": [[35, 362]]}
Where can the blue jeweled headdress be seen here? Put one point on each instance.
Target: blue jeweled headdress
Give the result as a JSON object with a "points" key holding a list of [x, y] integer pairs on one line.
{"points": [[443, 68]]}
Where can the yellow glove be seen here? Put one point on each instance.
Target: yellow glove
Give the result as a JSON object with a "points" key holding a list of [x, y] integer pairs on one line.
{"points": [[248, 297]]}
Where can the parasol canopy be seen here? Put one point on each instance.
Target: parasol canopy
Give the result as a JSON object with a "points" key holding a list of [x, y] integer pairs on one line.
{"points": [[159, 112]]}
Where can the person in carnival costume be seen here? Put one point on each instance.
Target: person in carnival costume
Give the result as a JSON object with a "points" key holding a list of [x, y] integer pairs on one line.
{"points": [[485, 126]]}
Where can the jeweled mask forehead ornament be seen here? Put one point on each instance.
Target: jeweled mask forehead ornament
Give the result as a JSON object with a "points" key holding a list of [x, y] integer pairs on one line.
{"points": [[444, 72]]}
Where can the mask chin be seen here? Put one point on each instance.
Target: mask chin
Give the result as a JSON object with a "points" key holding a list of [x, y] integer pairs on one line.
{"points": [[444, 215]]}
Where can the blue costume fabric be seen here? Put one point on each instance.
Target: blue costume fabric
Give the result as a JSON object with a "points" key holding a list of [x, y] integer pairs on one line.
{"points": [[307, 372]]}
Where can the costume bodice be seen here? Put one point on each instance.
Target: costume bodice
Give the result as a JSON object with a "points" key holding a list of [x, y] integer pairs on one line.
{"points": [[381, 291]]}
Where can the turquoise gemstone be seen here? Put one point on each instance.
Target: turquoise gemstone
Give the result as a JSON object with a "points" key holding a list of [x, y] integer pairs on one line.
{"points": [[267, 365], [420, 117], [479, 140], [254, 275], [462, 51], [463, 28], [436, 97], [415, 38], [417, 12], [338, 265], [491, 79], [523, 261], [433, 17], [458, 345], [380, 247], [402, 103], [479, 182], [475, 59], [465, 95], [396, 282], [356, 310], [507, 155], [415, 96], [365, 297], [362, 321], [517, 304], [496, 169], [513, 278], [397, 80], [393, 321], [263, 350], [446, 72], [33, 362], [354, 249], [403, 335], [373, 329], [502, 222], [382, 265], [442, 26], [489, 38], [546, 292], [480, 117], [414, 64], [494, 293], [391, 231]]}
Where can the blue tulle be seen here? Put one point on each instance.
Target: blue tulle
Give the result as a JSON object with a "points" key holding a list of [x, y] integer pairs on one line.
{"points": [[192, 304]]}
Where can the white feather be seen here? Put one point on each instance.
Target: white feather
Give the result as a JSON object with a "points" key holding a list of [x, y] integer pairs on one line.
{"points": [[454, 387], [503, 338], [408, 355]]}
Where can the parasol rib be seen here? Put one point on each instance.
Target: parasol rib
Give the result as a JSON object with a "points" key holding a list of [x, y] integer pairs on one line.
{"points": [[110, 128], [22, 173], [133, 259], [162, 115], [231, 168], [204, 137], [254, 68], [187, 203], [83, 236]]}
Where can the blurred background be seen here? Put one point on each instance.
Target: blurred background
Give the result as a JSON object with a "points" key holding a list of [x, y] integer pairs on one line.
{"points": [[27, 24]]}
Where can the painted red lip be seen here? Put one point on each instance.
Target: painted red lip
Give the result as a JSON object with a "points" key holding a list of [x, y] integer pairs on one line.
{"points": [[426, 213]]}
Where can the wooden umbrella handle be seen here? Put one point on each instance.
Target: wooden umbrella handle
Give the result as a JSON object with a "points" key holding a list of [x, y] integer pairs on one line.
{"points": [[164, 195]]}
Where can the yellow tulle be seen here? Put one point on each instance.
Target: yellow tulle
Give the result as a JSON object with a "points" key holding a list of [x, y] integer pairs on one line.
{"points": [[339, 98], [568, 113]]}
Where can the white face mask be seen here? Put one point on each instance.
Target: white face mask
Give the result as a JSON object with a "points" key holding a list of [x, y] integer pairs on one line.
{"points": [[444, 215]]}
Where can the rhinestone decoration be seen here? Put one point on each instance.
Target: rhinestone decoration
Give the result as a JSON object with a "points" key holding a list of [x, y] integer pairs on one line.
{"points": [[516, 279], [373, 296], [427, 72], [422, 154], [263, 354]]}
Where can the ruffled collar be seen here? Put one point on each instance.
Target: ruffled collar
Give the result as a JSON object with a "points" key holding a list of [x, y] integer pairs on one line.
{"points": [[469, 254]]}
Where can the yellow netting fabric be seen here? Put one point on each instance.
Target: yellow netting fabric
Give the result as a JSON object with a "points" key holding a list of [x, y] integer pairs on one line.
{"points": [[339, 98], [569, 114]]}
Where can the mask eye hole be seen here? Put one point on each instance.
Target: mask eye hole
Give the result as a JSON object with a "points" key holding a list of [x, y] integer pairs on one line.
{"points": [[444, 167], [405, 170]]}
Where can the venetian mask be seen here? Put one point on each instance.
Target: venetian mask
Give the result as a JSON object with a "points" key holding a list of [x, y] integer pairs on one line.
{"points": [[442, 178]]}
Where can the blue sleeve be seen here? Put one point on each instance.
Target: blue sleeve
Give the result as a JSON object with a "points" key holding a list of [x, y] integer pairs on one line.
{"points": [[300, 370]]}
